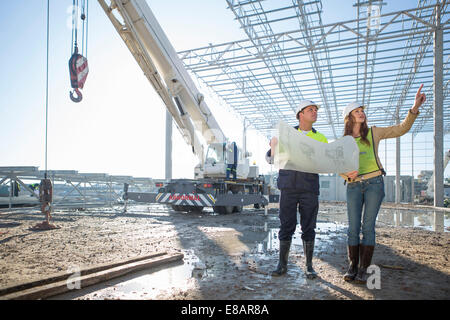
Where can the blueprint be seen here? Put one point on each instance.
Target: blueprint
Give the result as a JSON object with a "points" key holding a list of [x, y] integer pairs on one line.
{"points": [[296, 151]]}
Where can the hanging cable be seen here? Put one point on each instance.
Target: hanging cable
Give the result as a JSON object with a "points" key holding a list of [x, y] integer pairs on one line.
{"points": [[85, 45], [74, 27], [71, 43], [45, 187], [83, 17], [46, 87]]}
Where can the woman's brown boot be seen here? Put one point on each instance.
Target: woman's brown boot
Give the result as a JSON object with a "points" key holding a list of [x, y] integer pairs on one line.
{"points": [[366, 253], [353, 259]]}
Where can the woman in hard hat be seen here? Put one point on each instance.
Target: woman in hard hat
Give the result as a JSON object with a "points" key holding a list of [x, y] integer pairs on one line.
{"points": [[365, 187]]}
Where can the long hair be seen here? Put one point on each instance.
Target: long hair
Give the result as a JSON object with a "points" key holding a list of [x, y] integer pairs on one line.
{"points": [[363, 130]]}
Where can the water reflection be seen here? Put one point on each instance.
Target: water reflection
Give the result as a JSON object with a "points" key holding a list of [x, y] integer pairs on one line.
{"points": [[146, 284], [438, 221], [435, 220], [325, 232]]}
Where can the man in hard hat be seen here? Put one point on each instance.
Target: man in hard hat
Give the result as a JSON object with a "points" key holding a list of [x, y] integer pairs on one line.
{"points": [[298, 190]]}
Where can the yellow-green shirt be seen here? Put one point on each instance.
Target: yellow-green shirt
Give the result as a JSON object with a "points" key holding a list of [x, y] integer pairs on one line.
{"points": [[367, 160]]}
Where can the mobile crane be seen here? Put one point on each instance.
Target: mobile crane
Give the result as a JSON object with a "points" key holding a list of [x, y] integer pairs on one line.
{"points": [[146, 40]]}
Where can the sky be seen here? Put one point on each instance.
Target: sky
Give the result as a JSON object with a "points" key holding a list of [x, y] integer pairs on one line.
{"points": [[119, 127]]}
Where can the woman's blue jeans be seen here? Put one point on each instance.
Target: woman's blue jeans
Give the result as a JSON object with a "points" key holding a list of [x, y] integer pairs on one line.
{"points": [[367, 194]]}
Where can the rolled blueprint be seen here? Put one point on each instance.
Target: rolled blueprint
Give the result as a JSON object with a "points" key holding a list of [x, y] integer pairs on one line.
{"points": [[296, 151]]}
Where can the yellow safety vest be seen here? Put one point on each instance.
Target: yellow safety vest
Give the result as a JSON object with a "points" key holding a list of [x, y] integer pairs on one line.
{"points": [[316, 135]]}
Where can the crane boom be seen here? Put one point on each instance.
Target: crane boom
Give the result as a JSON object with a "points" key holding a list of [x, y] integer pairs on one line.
{"points": [[144, 37]]}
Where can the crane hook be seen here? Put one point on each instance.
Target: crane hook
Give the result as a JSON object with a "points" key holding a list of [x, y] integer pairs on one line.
{"points": [[78, 97]]}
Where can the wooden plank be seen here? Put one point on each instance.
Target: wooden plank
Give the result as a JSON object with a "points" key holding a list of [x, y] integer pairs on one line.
{"points": [[392, 267], [59, 287], [64, 275]]}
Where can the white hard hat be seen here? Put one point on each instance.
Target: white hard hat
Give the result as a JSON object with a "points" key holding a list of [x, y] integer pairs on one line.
{"points": [[350, 107], [305, 103]]}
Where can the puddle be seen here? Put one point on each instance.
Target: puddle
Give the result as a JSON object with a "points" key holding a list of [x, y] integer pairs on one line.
{"points": [[432, 220], [180, 275], [326, 232], [438, 221], [264, 254]]}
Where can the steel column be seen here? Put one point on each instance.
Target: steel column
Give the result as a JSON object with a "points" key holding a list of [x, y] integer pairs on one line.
{"points": [[412, 168], [438, 112], [397, 169]]}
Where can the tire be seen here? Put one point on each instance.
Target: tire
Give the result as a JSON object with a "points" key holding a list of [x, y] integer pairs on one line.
{"points": [[238, 208], [195, 209], [223, 209]]}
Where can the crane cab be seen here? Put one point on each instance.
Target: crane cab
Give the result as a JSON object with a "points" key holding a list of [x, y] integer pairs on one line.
{"points": [[216, 163]]}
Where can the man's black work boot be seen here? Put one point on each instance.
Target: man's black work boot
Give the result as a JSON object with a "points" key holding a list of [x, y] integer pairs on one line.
{"points": [[308, 248], [353, 259], [284, 254], [365, 259]]}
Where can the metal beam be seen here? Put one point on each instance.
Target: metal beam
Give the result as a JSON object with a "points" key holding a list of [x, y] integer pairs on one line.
{"points": [[438, 114], [395, 55]]}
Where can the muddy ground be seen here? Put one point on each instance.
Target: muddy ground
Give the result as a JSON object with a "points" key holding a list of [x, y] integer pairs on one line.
{"points": [[226, 256]]}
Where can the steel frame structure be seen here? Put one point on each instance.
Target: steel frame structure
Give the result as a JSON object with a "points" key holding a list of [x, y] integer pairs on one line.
{"points": [[72, 188], [379, 59]]}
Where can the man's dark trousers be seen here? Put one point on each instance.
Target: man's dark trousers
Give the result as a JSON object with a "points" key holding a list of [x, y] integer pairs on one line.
{"points": [[308, 207]]}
